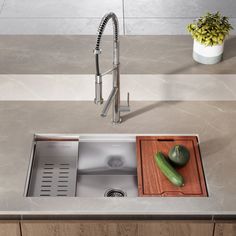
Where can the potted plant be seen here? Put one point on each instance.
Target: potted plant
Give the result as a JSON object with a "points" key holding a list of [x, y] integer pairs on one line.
{"points": [[209, 33]]}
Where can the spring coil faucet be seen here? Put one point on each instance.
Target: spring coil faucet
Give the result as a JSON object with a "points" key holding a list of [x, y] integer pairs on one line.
{"points": [[114, 96]]}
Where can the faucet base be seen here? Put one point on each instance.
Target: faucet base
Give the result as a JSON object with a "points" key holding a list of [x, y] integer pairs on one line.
{"points": [[98, 102], [116, 123]]}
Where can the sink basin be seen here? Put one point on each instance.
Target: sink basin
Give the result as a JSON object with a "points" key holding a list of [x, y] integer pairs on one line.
{"points": [[83, 166], [107, 168]]}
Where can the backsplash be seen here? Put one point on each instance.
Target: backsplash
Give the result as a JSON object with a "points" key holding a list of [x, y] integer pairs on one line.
{"points": [[140, 17]]}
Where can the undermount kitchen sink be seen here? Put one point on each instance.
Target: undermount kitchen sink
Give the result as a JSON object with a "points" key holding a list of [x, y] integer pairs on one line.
{"points": [[114, 165], [84, 166]]}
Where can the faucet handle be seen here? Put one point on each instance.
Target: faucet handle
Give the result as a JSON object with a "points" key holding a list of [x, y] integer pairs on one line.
{"points": [[125, 108], [128, 99]]}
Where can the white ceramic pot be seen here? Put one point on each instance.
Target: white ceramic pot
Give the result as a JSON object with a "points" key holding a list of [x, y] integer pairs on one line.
{"points": [[207, 54]]}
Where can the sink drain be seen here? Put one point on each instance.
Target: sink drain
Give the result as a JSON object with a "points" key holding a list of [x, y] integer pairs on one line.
{"points": [[115, 193]]}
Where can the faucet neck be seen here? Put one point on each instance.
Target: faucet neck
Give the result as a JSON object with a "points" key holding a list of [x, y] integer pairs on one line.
{"points": [[114, 97], [116, 53], [102, 27]]}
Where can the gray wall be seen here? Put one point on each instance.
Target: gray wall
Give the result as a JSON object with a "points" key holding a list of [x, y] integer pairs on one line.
{"points": [[137, 17]]}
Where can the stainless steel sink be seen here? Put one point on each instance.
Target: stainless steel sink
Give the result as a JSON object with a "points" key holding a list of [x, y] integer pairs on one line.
{"points": [[107, 168], [83, 166]]}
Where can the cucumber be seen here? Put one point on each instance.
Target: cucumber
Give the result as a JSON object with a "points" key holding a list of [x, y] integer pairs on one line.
{"points": [[167, 169]]}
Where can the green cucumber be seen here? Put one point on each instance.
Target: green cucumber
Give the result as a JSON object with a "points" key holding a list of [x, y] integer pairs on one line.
{"points": [[167, 169]]}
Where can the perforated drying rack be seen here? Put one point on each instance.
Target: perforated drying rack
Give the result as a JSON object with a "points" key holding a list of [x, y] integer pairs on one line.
{"points": [[53, 169]]}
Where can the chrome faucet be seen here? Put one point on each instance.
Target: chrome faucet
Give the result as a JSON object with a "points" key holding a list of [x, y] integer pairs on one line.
{"points": [[114, 96]]}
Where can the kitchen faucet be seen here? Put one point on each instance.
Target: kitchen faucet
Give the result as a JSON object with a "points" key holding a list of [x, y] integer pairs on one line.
{"points": [[114, 96]]}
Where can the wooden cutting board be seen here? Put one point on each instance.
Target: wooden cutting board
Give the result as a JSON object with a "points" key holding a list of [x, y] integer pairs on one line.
{"points": [[152, 182]]}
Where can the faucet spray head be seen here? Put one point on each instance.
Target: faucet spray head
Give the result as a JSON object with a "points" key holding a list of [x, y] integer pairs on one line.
{"points": [[98, 90]]}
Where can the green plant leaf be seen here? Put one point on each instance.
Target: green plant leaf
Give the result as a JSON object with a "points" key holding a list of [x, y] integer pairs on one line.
{"points": [[210, 29]]}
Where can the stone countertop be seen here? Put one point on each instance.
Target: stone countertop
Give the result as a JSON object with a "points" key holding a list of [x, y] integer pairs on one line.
{"points": [[73, 54], [214, 122]]}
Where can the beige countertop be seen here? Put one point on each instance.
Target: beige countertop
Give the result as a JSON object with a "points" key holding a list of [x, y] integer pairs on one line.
{"points": [[73, 54], [214, 122]]}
